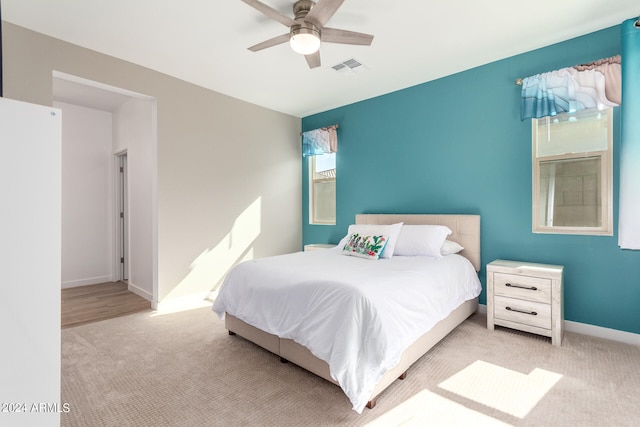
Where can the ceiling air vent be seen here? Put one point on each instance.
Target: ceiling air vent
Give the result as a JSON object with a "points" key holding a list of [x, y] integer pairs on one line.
{"points": [[349, 67]]}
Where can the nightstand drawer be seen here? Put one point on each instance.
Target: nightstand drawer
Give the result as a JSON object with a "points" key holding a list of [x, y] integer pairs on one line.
{"points": [[520, 311], [522, 287]]}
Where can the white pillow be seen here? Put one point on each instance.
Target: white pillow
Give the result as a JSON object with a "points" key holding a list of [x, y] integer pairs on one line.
{"points": [[450, 247], [391, 231], [424, 240]]}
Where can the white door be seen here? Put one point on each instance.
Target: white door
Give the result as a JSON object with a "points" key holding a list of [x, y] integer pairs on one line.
{"points": [[123, 219], [30, 260]]}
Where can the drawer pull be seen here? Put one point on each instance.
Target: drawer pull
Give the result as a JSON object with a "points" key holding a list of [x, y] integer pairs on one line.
{"points": [[532, 313], [531, 288]]}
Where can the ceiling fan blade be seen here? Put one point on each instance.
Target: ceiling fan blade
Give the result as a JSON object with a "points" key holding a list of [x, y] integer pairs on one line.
{"points": [[313, 60], [270, 12], [322, 12], [284, 38], [334, 35]]}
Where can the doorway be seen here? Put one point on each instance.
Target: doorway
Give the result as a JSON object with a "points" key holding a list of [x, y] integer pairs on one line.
{"points": [[110, 227]]}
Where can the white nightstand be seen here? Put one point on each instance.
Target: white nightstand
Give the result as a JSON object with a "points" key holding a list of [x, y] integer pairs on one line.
{"points": [[317, 247], [526, 296]]}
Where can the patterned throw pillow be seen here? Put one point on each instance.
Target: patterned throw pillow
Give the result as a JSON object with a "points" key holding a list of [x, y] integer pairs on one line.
{"points": [[391, 232], [369, 247]]}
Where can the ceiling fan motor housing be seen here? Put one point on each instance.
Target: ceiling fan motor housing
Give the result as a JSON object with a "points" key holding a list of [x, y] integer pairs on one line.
{"points": [[301, 8], [304, 28]]}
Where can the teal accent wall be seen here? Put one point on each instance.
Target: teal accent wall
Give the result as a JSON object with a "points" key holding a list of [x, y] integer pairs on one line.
{"points": [[457, 145]]}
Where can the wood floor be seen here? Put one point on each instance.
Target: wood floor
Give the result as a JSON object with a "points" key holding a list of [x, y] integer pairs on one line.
{"points": [[92, 303]]}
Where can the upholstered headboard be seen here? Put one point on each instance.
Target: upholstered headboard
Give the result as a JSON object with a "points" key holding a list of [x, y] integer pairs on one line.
{"points": [[465, 228]]}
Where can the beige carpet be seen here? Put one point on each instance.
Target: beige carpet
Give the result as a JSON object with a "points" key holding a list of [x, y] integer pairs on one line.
{"points": [[183, 369]]}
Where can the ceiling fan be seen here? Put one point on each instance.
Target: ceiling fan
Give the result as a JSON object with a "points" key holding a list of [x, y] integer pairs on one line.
{"points": [[307, 30]]}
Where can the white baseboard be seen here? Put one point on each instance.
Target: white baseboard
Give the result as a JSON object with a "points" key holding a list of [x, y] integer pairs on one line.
{"points": [[85, 282], [592, 330], [141, 292], [188, 302], [600, 332]]}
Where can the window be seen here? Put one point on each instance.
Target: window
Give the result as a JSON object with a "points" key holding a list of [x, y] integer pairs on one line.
{"points": [[322, 194], [573, 173]]}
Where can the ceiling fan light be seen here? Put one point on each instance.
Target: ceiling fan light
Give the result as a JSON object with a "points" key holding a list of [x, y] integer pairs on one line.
{"points": [[305, 41]]}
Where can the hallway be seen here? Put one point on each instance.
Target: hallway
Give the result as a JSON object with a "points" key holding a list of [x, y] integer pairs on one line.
{"points": [[92, 303]]}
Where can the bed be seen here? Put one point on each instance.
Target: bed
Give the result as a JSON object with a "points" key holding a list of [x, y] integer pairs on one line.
{"points": [[292, 326]]}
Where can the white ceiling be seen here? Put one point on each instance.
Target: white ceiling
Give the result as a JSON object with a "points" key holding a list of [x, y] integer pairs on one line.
{"points": [[205, 41], [72, 91]]}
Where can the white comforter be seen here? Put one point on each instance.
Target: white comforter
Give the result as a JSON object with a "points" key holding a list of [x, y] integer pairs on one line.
{"points": [[356, 314]]}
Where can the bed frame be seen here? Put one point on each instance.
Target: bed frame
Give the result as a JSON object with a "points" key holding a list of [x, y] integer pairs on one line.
{"points": [[465, 231]]}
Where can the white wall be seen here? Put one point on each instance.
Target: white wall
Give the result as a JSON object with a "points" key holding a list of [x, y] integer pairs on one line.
{"points": [[133, 131], [30, 263], [87, 194]]}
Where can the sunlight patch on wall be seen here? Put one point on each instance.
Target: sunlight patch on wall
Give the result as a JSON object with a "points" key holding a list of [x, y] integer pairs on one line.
{"points": [[508, 391], [429, 409], [210, 267]]}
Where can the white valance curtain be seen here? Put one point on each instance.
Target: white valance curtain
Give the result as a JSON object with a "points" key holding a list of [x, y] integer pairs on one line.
{"points": [[571, 89], [320, 141], [629, 205]]}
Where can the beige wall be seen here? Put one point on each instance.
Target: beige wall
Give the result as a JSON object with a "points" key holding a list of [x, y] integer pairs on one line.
{"points": [[228, 172]]}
